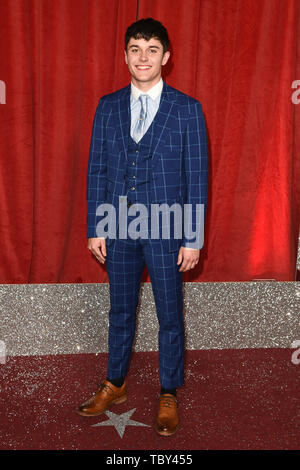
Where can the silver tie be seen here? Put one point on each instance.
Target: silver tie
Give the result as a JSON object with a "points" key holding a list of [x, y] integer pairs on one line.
{"points": [[139, 128]]}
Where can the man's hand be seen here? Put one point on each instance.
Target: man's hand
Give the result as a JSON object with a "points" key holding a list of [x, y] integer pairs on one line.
{"points": [[98, 248], [189, 258]]}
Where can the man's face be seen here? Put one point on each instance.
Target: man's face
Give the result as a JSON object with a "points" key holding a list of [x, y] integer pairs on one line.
{"points": [[144, 60]]}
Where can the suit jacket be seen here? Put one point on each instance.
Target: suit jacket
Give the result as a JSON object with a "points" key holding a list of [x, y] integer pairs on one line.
{"points": [[179, 155]]}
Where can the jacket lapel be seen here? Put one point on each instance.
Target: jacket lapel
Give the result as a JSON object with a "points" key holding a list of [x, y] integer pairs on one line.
{"points": [[162, 123], [123, 120]]}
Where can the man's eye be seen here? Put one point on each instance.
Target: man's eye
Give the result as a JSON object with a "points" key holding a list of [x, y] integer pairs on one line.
{"points": [[153, 51], [134, 51]]}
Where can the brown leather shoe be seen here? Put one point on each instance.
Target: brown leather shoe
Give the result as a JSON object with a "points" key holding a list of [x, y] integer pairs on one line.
{"points": [[106, 396], [167, 419]]}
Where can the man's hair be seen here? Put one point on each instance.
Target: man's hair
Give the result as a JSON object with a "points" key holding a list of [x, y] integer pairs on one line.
{"points": [[147, 28]]}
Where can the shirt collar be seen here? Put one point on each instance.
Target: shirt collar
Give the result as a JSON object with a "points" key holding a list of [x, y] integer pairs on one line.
{"points": [[154, 92]]}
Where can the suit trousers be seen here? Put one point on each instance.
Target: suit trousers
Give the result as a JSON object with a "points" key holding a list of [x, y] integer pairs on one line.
{"points": [[125, 262]]}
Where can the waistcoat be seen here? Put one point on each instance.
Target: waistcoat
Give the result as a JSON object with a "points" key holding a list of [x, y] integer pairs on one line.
{"points": [[139, 169]]}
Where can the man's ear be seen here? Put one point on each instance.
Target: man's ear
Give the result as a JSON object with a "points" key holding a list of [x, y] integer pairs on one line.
{"points": [[126, 61], [166, 57]]}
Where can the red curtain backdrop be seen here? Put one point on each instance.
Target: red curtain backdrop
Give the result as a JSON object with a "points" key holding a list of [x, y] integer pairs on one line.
{"points": [[238, 57]]}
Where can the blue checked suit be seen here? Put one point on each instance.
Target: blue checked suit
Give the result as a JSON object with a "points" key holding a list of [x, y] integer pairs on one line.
{"points": [[178, 174]]}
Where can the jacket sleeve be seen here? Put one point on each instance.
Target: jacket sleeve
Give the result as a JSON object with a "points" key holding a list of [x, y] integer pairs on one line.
{"points": [[96, 173], [196, 172]]}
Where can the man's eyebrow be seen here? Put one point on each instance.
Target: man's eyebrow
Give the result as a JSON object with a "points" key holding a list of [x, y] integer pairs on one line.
{"points": [[136, 45]]}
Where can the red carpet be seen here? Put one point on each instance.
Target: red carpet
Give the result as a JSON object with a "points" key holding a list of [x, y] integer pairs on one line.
{"points": [[232, 399]]}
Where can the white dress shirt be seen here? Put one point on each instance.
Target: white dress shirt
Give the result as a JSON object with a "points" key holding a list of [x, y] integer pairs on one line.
{"points": [[153, 104]]}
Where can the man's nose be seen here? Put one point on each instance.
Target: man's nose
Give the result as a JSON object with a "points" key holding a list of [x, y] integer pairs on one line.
{"points": [[144, 55]]}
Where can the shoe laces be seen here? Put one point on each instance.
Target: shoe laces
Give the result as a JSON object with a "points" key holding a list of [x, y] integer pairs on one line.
{"points": [[167, 401], [106, 388]]}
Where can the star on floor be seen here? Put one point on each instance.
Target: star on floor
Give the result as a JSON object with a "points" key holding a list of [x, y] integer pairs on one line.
{"points": [[120, 421]]}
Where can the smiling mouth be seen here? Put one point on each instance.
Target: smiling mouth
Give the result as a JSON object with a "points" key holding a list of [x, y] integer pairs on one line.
{"points": [[143, 67]]}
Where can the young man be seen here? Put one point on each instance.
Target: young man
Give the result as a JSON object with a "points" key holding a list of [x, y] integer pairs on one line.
{"points": [[148, 148]]}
